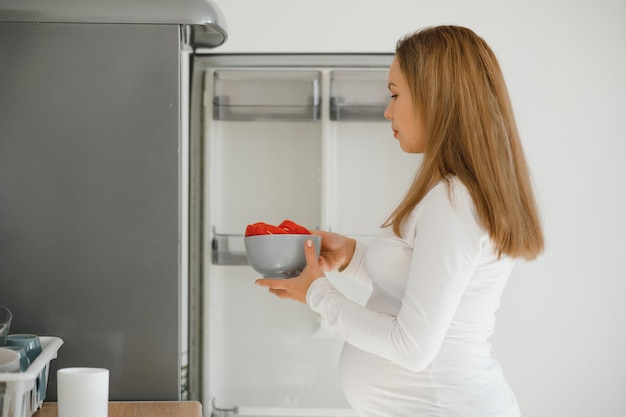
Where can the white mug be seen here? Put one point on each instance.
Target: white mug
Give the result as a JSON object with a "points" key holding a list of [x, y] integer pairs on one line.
{"points": [[83, 392]]}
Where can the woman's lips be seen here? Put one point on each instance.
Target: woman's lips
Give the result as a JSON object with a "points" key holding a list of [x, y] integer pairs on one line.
{"points": [[395, 133]]}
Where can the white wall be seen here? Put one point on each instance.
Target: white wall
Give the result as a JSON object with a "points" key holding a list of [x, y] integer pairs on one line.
{"points": [[560, 333]]}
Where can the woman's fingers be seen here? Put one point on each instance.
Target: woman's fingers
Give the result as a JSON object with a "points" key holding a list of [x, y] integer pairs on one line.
{"points": [[309, 253], [279, 293], [279, 284], [278, 287], [296, 288]]}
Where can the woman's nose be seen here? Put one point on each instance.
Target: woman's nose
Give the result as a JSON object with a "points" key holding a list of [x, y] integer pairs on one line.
{"points": [[387, 113]]}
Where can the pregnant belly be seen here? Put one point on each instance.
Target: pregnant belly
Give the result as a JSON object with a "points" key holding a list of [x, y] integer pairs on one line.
{"points": [[377, 387]]}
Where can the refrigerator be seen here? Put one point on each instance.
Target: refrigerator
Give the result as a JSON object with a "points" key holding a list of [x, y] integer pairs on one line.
{"points": [[132, 157], [94, 174], [274, 137]]}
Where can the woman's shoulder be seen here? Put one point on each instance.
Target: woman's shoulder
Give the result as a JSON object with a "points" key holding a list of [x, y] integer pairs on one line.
{"points": [[448, 198], [447, 202], [449, 192]]}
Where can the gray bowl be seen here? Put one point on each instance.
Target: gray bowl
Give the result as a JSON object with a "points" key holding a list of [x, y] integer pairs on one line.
{"points": [[279, 256]]}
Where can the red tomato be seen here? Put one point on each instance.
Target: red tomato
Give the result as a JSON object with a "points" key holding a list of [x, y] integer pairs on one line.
{"points": [[255, 229], [275, 230], [262, 228], [294, 228], [287, 226]]}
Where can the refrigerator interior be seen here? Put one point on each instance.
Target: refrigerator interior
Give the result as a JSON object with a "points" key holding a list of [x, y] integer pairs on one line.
{"points": [[286, 137]]}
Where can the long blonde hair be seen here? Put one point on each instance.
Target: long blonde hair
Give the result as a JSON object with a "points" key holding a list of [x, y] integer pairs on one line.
{"points": [[470, 133]]}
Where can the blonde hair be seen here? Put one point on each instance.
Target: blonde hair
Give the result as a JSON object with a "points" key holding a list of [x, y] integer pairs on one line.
{"points": [[470, 133]]}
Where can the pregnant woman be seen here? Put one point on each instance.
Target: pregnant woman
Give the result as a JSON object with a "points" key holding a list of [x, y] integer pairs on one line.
{"points": [[419, 347]]}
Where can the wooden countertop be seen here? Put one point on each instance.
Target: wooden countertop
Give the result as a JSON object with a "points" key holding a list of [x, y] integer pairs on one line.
{"points": [[139, 409]]}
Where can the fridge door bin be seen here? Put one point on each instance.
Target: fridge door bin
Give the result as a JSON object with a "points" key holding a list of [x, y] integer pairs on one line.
{"points": [[345, 112], [228, 250], [25, 396], [281, 411], [251, 95], [358, 95]]}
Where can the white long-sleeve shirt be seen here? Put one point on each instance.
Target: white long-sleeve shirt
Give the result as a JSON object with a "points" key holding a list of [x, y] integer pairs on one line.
{"points": [[419, 346]]}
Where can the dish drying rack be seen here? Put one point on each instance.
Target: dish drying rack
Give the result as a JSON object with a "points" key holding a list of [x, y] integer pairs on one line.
{"points": [[24, 398]]}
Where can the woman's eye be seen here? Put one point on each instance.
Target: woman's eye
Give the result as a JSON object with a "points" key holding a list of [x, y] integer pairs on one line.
{"points": [[394, 96]]}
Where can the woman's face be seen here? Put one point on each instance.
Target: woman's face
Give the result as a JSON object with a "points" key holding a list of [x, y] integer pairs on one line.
{"points": [[406, 124]]}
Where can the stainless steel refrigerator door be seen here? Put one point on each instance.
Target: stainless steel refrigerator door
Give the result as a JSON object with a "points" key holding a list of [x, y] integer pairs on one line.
{"points": [[89, 197]]}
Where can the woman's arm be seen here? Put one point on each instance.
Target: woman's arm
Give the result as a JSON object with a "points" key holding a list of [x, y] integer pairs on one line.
{"points": [[446, 248]]}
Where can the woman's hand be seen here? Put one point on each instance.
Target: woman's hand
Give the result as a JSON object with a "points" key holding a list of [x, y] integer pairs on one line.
{"points": [[336, 251], [296, 288]]}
